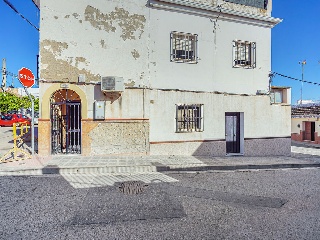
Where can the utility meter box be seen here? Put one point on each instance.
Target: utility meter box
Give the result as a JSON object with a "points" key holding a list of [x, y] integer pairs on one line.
{"points": [[99, 110], [112, 84]]}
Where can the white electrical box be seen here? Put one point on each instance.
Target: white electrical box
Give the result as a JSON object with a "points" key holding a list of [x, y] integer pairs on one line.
{"points": [[112, 84], [82, 78], [99, 110]]}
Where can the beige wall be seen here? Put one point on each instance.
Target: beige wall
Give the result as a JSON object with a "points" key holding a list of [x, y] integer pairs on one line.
{"points": [[296, 121]]}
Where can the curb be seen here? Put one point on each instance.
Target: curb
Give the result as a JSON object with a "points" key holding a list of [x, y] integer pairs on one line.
{"points": [[47, 170], [237, 167]]}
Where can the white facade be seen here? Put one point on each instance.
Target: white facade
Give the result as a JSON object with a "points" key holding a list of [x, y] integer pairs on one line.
{"points": [[131, 39]]}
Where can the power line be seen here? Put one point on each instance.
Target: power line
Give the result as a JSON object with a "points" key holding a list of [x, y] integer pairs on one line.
{"points": [[296, 79], [14, 9]]}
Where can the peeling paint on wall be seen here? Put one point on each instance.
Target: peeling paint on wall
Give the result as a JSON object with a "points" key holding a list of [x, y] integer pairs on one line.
{"points": [[135, 54], [130, 84], [76, 15], [55, 69], [55, 47], [131, 25], [103, 44]]}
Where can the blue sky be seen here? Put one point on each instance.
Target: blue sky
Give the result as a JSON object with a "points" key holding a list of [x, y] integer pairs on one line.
{"points": [[19, 41], [296, 39]]}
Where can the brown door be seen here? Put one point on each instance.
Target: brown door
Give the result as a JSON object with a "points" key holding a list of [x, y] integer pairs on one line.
{"points": [[309, 130]]}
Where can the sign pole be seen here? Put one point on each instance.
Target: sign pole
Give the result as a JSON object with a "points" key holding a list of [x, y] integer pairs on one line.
{"points": [[26, 78], [32, 121]]}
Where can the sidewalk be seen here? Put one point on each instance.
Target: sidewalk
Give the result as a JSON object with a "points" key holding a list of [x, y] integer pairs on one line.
{"points": [[73, 164]]}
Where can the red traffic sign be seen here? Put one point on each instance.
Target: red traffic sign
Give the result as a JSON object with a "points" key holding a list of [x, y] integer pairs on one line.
{"points": [[26, 77]]}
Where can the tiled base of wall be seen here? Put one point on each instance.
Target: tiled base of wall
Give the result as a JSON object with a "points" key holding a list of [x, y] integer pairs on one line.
{"points": [[252, 147], [300, 137], [214, 148], [268, 147]]}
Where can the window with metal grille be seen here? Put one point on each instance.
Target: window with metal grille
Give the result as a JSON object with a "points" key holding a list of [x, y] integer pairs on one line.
{"points": [[184, 47], [189, 118], [244, 54]]}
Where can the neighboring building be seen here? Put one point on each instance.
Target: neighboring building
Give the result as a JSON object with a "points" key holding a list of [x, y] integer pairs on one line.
{"points": [[32, 91], [186, 77], [305, 122]]}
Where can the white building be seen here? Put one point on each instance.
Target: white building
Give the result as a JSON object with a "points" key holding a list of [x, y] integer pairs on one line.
{"points": [[194, 72]]}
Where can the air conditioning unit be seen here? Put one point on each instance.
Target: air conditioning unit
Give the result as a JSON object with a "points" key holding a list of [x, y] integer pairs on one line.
{"points": [[112, 84], [262, 92]]}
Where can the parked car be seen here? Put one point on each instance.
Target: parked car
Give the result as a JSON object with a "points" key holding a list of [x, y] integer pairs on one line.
{"points": [[7, 120]]}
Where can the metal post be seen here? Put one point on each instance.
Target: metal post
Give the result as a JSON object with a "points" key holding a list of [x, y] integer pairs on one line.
{"points": [[302, 71], [32, 121], [4, 75]]}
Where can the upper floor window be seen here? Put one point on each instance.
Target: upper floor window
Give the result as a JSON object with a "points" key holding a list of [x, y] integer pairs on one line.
{"points": [[280, 95], [189, 118], [184, 47], [244, 54]]}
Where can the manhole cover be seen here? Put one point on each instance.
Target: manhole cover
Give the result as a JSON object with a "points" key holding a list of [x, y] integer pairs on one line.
{"points": [[132, 187]]}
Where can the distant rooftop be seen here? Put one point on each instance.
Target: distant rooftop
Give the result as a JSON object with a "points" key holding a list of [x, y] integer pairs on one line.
{"points": [[306, 110]]}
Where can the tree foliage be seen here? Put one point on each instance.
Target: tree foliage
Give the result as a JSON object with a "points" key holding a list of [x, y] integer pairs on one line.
{"points": [[10, 102]]}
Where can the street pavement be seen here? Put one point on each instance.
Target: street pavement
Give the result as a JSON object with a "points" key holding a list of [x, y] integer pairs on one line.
{"points": [[161, 197], [303, 155], [273, 204]]}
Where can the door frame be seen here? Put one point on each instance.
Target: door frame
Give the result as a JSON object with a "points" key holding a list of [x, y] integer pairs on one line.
{"points": [[240, 131]]}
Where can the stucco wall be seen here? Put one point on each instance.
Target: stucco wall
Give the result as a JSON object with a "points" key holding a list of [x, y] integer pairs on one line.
{"points": [[132, 40], [299, 121], [214, 70], [261, 119], [94, 38]]}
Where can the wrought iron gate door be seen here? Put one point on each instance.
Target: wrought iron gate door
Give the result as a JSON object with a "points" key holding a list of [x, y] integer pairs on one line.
{"points": [[66, 128]]}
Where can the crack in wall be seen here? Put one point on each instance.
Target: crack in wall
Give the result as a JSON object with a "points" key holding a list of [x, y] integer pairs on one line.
{"points": [[131, 25]]}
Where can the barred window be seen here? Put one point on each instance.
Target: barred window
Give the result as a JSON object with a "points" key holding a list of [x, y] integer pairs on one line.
{"points": [[244, 54], [189, 118], [184, 47]]}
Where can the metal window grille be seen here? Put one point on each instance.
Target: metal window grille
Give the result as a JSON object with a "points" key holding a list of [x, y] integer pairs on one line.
{"points": [[244, 54], [263, 4], [184, 47], [189, 118]]}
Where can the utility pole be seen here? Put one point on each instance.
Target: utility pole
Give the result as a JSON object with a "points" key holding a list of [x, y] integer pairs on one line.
{"points": [[4, 75], [304, 62]]}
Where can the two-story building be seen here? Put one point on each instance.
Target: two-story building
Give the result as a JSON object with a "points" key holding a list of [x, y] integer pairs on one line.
{"points": [[159, 77]]}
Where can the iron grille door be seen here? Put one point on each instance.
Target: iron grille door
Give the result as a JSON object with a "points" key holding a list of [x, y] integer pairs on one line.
{"points": [[73, 120], [56, 129], [66, 128]]}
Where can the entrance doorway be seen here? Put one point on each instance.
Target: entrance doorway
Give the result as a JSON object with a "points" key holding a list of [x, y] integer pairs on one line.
{"points": [[65, 106], [234, 132], [309, 130]]}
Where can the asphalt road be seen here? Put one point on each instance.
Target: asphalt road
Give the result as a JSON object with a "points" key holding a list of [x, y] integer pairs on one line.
{"points": [[277, 204]]}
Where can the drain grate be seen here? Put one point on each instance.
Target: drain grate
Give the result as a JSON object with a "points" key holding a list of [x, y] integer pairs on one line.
{"points": [[132, 187]]}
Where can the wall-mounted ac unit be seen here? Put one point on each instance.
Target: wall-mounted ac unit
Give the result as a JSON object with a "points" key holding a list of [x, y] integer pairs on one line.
{"points": [[112, 84], [262, 92]]}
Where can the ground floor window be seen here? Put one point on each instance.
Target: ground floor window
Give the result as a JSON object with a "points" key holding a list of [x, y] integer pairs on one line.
{"points": [[189, 117]]}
